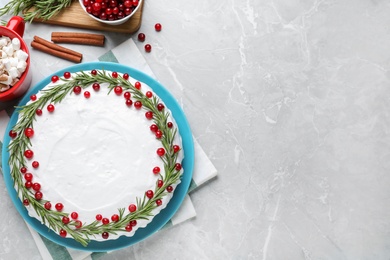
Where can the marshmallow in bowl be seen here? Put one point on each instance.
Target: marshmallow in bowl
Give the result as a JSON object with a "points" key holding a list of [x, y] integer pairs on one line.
{"points": [[4, 41], [16, 44], [12, 63], [21, 55]]}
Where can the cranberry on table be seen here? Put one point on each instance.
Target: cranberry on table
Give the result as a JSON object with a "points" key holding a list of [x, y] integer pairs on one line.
{"points": [[148, 47], [141, 37], [158, 27]]}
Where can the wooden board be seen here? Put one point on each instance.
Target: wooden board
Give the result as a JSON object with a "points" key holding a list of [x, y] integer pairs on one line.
{"points": [[75, 16]]}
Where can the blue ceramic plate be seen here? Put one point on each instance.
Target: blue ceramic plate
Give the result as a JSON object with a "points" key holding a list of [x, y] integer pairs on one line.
{"points": [[164, 216]]}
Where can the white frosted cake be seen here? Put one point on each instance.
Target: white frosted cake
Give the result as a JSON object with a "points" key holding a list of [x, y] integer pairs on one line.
{"points": [[95, 155]]}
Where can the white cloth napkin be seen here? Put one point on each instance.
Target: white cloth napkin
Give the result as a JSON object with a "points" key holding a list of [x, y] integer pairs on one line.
{"points": [[127, 54]]}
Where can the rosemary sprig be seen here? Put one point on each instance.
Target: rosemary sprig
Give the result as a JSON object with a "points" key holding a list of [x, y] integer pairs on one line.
{"points": [[30, 9], [56, 94]]}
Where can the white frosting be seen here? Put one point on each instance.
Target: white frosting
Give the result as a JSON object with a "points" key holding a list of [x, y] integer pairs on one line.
{"points": [[96, 155]]}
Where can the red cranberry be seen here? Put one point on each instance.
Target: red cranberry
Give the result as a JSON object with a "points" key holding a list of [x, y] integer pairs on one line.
{"points": [[158, 27], [148, 47]]}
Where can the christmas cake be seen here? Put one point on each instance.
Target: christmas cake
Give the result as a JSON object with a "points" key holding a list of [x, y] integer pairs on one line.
{"points": [[95, 155]]}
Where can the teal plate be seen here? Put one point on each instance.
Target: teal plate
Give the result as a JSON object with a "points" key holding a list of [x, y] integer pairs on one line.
{"points": [[159, 220]]}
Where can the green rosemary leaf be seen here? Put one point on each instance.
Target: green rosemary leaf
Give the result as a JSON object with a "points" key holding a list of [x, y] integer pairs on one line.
{"points": [[31, 9]]}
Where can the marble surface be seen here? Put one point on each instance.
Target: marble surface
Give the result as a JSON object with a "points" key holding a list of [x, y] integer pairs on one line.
{"points": [[290, 101]]}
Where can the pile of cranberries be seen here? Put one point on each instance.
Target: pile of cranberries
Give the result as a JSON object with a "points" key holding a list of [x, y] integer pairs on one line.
{"points": [[110, 10]]}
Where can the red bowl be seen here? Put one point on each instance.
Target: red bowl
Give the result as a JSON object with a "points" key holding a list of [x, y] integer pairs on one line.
{"points": [[15, 29]]}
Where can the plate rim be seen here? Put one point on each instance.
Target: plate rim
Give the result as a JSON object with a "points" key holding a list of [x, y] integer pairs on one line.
{"points": [[160, 219]]}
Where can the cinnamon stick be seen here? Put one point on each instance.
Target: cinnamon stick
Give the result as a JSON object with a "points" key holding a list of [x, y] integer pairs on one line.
{"points": [[85, 41], [56, 50], [78, 38]]}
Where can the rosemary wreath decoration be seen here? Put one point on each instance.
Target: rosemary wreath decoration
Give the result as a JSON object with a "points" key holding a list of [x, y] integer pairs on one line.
{"points": [[42, 9], [62, 222]]}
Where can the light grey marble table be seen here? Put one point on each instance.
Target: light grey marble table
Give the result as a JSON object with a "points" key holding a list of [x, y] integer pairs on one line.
{"points": [[290, 100]]}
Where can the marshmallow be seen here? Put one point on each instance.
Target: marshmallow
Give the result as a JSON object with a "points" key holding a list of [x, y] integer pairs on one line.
{"points": [[16, 44], [9, 50], [7, 81], [4, 88], [22, 65], [13, 62], [21, 55], [3, 41], [14, 73], [3, 54], [7, 63]]}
